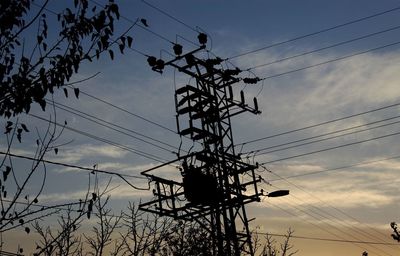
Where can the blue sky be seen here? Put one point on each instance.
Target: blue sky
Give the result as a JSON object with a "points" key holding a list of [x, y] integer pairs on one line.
{"points": [[343, 204]]}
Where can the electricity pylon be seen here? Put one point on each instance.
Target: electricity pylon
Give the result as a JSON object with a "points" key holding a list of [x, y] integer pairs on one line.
{"points": [[215, 184]]}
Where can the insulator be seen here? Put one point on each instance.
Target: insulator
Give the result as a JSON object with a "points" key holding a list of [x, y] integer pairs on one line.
{"points": [[213, 62], [177, 49], [232, 72], [190, 60], [152, 61], [230, 92], [255, 103], [242, 97], [160, 64], [278, 193], [248, 80], [202, 38]]}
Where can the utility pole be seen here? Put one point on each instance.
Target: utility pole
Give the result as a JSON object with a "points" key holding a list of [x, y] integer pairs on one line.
{"points": [[214, 184]]}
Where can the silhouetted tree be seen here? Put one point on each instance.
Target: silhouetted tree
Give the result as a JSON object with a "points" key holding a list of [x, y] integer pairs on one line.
{"points": [[33, 65], [396, 232], [137, 233], [40, 51], [268, 245]]}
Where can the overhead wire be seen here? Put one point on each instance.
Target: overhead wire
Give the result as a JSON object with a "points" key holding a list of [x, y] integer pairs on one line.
{"points": [[320, 124], [93, 170], [127, 111], [331, 218], [328, 133], [331, 60], [310, 222], [324, 219], [260, 151], [337, 168], [111, 126], [170, 16], [108, 103], [325, 47], [317, 32], [331, 148], [329, 239], [112, 143], [333, 207]]}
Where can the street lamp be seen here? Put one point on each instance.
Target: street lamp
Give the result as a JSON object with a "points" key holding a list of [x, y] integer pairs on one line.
{"points": [[278, 193]]}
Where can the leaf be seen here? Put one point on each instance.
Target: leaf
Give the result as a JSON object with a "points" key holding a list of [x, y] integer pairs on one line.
{"points": [[111, 54], [130, 39], [44, 45], [56, 151], [35, 200], [76, 91], [8, 130], [66, 92], [42, 104], [9, 124], [21, 221], [27, 230], [6, 173], [144, 22], [24, 127], [121, 48]]}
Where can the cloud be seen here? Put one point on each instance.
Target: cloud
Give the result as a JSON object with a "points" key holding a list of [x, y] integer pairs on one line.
{"points": [[88, 151]]}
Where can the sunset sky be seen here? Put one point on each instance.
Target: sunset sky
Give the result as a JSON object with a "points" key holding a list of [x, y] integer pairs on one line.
{"points": [[323, 61]]}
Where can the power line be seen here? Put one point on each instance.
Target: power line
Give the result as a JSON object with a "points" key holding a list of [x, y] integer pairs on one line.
{"points": [[329, 239], [335, 208], [127, 111], [329, 133], [115, 144], [332, 224], [109, 125], [320, 124], [331, 148], [322, 218], [257, 152], [326, 47], [331, 218], [330, 61], [194, 29], [317, 32], [338, 168], [313, 224], [122, 176], [170, 16]]}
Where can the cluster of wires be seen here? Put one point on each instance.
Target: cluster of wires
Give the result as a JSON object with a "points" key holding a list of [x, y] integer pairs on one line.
{"points": [[335, 221]]}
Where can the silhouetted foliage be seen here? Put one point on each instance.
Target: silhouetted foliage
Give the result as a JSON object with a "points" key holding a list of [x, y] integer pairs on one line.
{"points": [[269, 247], [396, 232], [83, 32], [187, 238], [40, 51]]}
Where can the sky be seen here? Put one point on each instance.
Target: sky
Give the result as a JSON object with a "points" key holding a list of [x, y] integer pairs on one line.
{"points": [[343, 186]]}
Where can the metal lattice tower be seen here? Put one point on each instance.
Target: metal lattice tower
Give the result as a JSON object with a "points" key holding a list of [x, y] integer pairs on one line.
{"points": [[215, 183]]}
